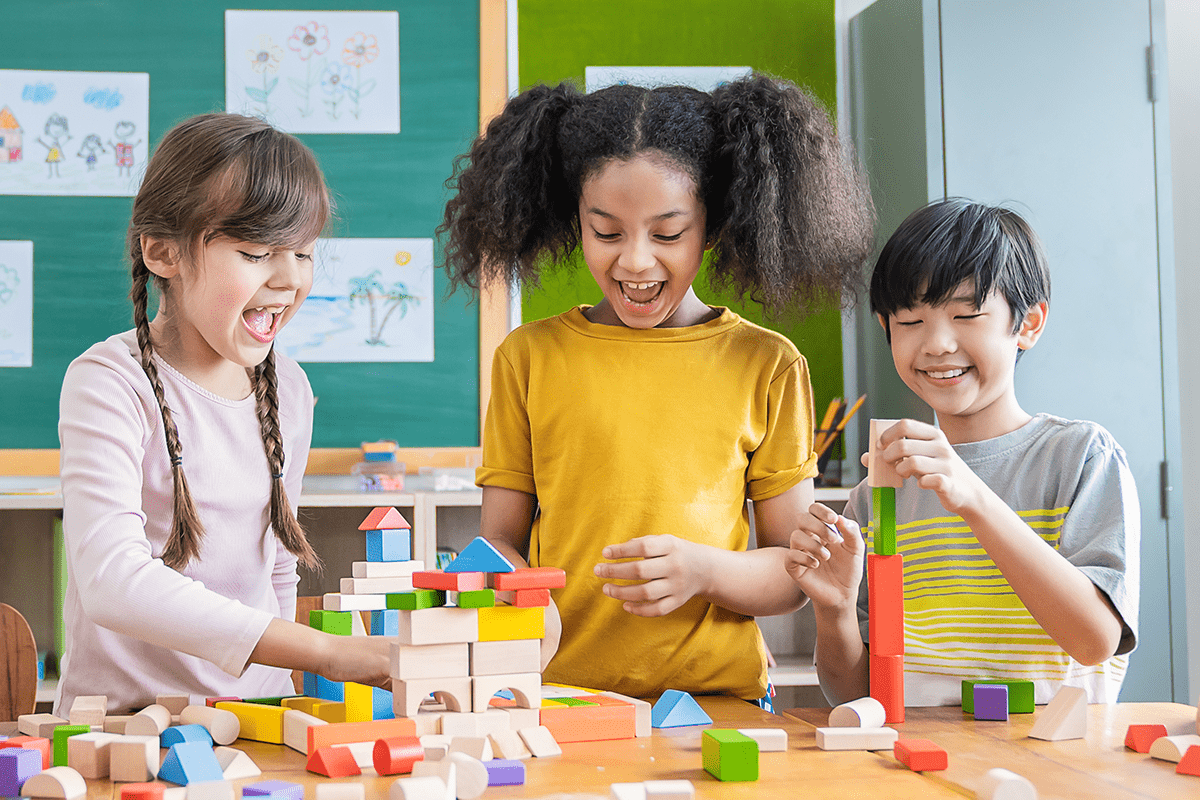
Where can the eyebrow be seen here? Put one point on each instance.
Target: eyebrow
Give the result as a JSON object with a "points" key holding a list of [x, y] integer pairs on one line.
{"points": [[659, 218]]}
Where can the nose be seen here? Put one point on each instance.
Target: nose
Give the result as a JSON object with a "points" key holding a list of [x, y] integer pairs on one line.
{"points": [[939, 338], [289, 271], [637, 255]]}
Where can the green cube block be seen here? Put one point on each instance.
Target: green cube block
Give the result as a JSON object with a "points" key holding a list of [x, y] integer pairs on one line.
{"points": [[883, 508], [61, 734], [728, 755], [477, 598], [335, 622], [418, 598], [1020, 694]]}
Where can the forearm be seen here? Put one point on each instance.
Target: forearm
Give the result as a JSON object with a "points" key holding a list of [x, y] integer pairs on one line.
{"points": [[1057, 594], [751, 582], [841, 658], [290, 645]]}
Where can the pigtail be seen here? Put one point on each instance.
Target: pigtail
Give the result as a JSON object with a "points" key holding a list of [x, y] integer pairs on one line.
{"points": [[793, 215], [183, 543], [284, 522], [511, 202]]}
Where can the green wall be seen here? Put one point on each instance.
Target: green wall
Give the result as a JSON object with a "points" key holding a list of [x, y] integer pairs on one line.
{"points": [[792, 39]]}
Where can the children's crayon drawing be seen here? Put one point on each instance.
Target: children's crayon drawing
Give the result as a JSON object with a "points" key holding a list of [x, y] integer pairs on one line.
{"points": [[371, 300], [703, 78], [315, 71], [16, 304], [73, 133]]}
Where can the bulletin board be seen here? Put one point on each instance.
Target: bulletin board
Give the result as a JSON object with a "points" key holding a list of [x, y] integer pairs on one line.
{"points": [[792, 39], [385, 186]]}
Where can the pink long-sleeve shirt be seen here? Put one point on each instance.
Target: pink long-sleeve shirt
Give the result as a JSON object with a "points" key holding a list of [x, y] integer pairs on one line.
{"points": [[135, 628]]}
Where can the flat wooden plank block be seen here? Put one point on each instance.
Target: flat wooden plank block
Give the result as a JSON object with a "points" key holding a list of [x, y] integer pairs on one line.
{"points": [[589, 723], [386, 569], [352, 732], [509, 622], [402, 583], [505, 656], [449, 581], [530, 578], [856, 738]]}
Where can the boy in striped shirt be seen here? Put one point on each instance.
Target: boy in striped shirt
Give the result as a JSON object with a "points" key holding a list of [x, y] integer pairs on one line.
{"points": [[1020, 533]]}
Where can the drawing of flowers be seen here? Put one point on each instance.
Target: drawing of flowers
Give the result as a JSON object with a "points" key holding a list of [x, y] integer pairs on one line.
{"points": [[368, 290], [358, 51], [265, 61], [307, 41], [334, 84]]}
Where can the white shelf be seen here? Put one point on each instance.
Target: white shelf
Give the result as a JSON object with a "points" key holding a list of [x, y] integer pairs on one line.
{"points": [[793, 671]]}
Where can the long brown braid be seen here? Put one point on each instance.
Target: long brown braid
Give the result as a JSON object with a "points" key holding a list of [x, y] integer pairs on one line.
{"points": [[224, 175]]}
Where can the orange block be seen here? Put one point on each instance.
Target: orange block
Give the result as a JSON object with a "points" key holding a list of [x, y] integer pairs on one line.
{"points": [[31, 743], [887, 685], [530, 598], [397, 755], [530, 578], [919, 755], [351, 732], [1140, 737], [449, 581], [885, 604], [1190, 763], [142, 791], [333, 762], [590, 723]]}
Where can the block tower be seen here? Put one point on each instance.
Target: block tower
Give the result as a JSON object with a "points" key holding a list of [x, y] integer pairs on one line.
{"points": [[885, 583]]}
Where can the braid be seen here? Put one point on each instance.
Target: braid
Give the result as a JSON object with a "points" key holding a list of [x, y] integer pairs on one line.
{"points": [[184, 542], [286, 526]]}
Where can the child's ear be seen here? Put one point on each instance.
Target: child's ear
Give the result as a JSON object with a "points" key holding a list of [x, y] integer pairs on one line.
{"points": [[161, 256], [1032, 325], [883, 323]]}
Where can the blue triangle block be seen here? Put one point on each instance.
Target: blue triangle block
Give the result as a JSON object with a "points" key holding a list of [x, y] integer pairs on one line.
{"points": [[675, 709], [185, 733], [480, 556], [190, 762]]}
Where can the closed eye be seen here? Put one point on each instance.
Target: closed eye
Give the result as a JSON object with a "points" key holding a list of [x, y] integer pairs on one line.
{"points": [[254, 257], [968, 316], [908, 322], [675, 238], [604, 237]]}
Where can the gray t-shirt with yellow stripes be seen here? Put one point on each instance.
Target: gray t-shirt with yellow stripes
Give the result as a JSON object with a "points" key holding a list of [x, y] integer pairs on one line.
{"points": [[1070, 481]]}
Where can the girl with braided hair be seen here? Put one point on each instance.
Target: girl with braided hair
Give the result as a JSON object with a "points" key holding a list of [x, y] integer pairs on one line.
{"points": [[623, 439], [184, 440]]}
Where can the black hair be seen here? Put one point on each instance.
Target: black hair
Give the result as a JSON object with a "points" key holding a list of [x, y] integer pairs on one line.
{"points": [[787, 211], [948, 242]]}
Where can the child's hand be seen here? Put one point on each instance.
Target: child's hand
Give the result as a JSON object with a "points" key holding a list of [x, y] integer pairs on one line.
{"points": [[921, 450], [830, 578], [361, 659], [671, 570]]}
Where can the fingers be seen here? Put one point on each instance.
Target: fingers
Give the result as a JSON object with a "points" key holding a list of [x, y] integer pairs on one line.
{"points": [[641, 547]]}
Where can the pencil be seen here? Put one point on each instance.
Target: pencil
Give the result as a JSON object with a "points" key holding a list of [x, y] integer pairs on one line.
{"points": [[823, 429], [827, 443]]}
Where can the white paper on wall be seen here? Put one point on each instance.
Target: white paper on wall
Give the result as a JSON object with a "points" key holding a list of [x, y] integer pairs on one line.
{"points": [[703, 78], [16, 304]]}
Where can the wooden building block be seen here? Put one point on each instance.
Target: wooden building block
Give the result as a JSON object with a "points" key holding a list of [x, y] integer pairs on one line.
{"points": [[643, 712], [991, 701], [540, 741], [880, 472], [88, 710], [62, 733], [728, 755], [61, 783], [505, 772], [142, 791], [116, 723], [439, 625], [530, 578], [407, 695], [519, 718], [350, 732], [883, 520], [388, 546], [359, 700], [402, 583], [416, 599], [276, 790], [887, 685], [1020, 694], [185, 733], [885, 604], [305, 704], [45, 746], [330, 711], [211, 702], [426, 787], [235, 764], [150, 721], [397, 754], [476, 598], [333, 762], [505, 656], [1064, 718], [338, 623], [920, 755], [386, 569], [449, 581], [509, 622], [211, 790], [384, 518], [133, 759], [190, 762], [627, 791], [435, 745], [478, 723], [39, 725], [525, 598], [856, 738], [295, 728], [1139, 737], [444, 770], [1001, 784], [89, 753], [1190, 763], [588, 723], [865, 712], [17, 765], [173, 703], [507, 744], [526, 688], [259, 723], [223, 726], [362, 752], [670, 790], [470, 775], [675, 709], [770, 740], [335, 601], [477, 747], [480, 556], [1172, 748], [341, 791]]}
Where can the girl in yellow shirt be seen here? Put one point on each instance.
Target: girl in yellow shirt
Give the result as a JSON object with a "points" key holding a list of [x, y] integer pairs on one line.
{"points": [[623, 439]]}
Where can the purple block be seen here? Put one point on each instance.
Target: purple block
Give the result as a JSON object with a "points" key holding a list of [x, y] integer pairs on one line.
{"points": [[991, 701], [17, 765], [505, 772], [277, 790]]}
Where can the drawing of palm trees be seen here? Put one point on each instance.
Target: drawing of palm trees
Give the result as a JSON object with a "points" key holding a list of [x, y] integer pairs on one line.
{"points": [[370, 291]]}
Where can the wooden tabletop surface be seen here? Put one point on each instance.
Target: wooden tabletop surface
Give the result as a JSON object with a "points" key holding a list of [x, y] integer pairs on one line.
{"points": [[1095, 767]]}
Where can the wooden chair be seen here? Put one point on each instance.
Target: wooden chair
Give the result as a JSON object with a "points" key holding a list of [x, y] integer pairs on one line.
{"points": [[18, 665]]}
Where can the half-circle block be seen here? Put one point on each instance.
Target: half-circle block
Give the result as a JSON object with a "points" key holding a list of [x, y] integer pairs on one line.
{"points": [[676, 709], [56, 782], [177, 734], [1172, 748]]}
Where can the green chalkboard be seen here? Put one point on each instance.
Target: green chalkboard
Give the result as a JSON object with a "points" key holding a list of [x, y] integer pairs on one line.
{"points": [[792, 39], [385, 186]]}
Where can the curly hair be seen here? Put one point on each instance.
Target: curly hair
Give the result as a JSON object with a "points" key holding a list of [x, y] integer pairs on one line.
{"points": [[787, 210]]}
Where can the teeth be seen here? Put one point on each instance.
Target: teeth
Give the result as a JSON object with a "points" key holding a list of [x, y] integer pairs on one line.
{"points": [[954, 373], [646, 285]]}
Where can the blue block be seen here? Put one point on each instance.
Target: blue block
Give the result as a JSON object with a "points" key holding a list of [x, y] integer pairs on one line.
{"points": [[17, 765], [676, 709], [480, 556], [277, 790], [991, 701], [190, 762], [178, 734], [334, 691], [381, 704], [385, 623], [389, 545], [310, 684]]}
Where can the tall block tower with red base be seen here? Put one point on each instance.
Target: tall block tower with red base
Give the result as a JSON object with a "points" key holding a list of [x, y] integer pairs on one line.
{"points": [[885, 583]]}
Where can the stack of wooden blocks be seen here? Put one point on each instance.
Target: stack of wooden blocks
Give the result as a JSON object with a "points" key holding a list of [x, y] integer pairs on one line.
{"points": [[885, 584]]}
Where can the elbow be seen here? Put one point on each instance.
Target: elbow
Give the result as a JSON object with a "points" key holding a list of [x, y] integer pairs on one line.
{"points": [[1097, 648]]}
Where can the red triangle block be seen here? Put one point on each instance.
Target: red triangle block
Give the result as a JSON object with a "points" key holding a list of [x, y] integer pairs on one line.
{"points": [[1140, 737], [384, 519], [333, 762], [1190, 763]]}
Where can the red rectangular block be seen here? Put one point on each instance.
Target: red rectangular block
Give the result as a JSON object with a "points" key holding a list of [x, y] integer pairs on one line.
{"points": [[449, 581], [211, 702], [920, 755], [530, 578], [885, 604], [353, 732], [31, 743], [887, 685], [590, 723], [525, 598]]}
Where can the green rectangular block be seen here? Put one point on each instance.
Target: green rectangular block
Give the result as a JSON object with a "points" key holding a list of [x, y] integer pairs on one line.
{"points": [[1020, 694], [477, 598], [61, 734], [335, 622], [728, 755], [270, 701], [573, 701], [416, 599], [883, 508]]}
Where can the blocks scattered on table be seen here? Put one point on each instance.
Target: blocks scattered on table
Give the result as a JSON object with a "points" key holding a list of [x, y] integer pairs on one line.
{"points": [[856, 738], [865, 712], [729, 755], [88, 710], [770, 740], [1172, 748], [920, 755], [39, 725], [1065, 717], [1020, 694], [42, 745], [676, 709], [63, 783], [991, 701], [190, 762], [150, 721], [133, 759], [17, 765], [89, 753], [1139, 737], [260, 723], [505, 772]]}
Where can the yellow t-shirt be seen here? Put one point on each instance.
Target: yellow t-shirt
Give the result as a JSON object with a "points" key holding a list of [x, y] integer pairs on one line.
{"points": [[622, 433]]}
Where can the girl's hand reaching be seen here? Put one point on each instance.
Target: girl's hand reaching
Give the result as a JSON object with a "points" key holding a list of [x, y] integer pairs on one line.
{"points": [[825, 557], [672, 571]]}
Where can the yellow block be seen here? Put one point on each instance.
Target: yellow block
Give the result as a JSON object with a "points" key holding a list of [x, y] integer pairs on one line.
{"points": [[509, 622], [329, 711], [358, 699], [259, 723], [305, 704]]}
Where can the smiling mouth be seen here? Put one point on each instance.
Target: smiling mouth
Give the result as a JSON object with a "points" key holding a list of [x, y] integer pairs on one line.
{"points": [[641, 293], [946, 374], [262, 322]]}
